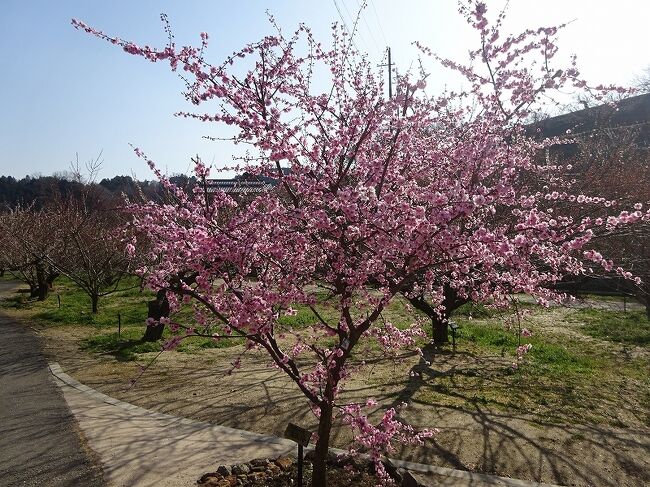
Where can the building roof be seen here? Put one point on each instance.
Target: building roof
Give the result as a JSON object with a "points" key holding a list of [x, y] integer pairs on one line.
{"points": [[633, 112], [244, 184], [238, 186]]}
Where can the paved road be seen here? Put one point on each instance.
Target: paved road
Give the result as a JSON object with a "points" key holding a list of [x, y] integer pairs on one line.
{"points": [[40, 442]]}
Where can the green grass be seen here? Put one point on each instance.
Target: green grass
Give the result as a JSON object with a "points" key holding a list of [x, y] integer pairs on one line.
{"points": [[305, 317], [487, 335], [475, 311], [127, 307], [191, 344], [18, 301], [128, 304], [559, 360], [482, 311], [546, 354], [606, 298], [631, 328], [8, 276], [563, 377], [398, 313]]}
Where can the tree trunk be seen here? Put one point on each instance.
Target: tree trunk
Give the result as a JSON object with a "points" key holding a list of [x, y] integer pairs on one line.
{"points": [[319, 475], [43, 287], [439, 322], [440, 329], [94, 299], [153, 333], [43, 292], [158, 308]]}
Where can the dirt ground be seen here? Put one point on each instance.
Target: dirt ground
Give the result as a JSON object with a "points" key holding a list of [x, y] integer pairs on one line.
{"points": [[480, 438], [477, 435]]}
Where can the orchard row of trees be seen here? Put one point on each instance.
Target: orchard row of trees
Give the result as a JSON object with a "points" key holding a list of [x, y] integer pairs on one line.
{"points": [[67, 224], [80, 238]]}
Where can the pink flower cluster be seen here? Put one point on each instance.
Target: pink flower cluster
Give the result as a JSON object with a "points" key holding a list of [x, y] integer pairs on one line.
{"points": [[379, 439]]}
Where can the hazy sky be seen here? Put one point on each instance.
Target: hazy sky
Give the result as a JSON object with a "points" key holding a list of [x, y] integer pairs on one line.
{"points": [[64, 92]]}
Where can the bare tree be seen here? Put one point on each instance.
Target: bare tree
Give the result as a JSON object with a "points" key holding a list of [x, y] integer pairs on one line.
{"points": [[614, 162], [31, 243], [93, 256], [642, 82]]}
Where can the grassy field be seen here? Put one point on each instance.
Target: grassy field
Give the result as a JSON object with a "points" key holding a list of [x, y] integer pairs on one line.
{"points": [[116, 329], [573, 352], [582, 392], [631, 328]]}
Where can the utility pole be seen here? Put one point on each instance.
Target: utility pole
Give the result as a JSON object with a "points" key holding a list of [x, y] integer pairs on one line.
{"points": [[390, 75]]}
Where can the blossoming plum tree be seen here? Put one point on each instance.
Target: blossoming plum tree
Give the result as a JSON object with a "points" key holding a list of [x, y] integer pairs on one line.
{"points": [[385, 196]]}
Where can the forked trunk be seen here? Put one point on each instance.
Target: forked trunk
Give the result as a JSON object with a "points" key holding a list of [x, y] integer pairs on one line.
{"points": [[439, 333], [439, 322]]}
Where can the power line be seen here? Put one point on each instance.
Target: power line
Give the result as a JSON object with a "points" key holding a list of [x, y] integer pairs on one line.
{"points": [[372, 36], [354, 22], [381, 30], [345, 25]]}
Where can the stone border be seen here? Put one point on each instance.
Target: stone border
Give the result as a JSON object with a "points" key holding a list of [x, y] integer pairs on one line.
{"points": [[465, 475], [471, 477]]}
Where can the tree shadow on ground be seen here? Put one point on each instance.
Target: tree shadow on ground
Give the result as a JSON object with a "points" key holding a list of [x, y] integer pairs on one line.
{"points": [[490, 436], [123, 349]]}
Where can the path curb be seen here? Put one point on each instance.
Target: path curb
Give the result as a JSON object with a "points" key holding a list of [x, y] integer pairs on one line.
{"points": [[57, 372], [471, 477]]}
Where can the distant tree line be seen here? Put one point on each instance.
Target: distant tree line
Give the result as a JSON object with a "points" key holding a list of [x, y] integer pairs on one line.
{"points": [[38, 191]]}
